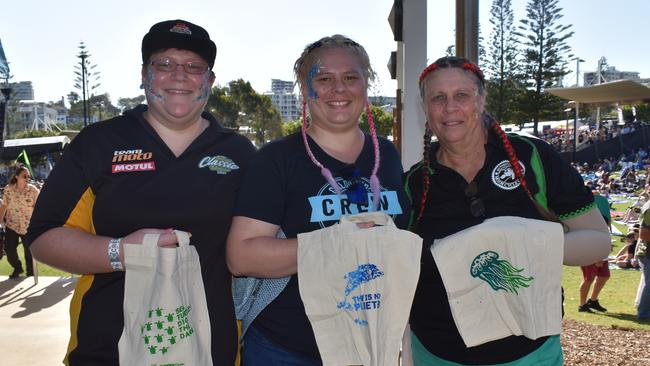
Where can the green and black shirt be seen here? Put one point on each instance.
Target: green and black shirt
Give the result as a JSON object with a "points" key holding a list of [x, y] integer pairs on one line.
{"points": [[552, 181]]}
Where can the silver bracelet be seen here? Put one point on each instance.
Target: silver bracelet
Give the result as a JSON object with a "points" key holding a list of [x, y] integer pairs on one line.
{"points": [[114, 254]]}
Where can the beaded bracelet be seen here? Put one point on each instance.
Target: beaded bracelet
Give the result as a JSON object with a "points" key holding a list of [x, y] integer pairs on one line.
{"points": [[114, 254]]}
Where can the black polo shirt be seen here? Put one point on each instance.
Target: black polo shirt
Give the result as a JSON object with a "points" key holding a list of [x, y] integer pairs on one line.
{"points": [[447, 211], [118, 176]]}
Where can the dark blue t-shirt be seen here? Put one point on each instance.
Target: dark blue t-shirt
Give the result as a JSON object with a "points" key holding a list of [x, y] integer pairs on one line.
{"points": [[282, 186]]}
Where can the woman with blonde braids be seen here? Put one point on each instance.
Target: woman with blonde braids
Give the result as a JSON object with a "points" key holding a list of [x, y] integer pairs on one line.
{"points": [[304, 182], [471, 181]]}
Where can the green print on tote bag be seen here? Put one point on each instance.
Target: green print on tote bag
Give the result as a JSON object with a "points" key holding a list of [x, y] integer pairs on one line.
{"points": [[163, 330], [166, 320]]}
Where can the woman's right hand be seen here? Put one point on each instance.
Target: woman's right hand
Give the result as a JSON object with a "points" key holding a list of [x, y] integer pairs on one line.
{"points": [[167, 237], [76, 251]]}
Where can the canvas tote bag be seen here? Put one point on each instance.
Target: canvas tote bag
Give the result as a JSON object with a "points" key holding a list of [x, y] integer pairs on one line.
{"points": [[166, 319], [357, 286], [503, 278]]}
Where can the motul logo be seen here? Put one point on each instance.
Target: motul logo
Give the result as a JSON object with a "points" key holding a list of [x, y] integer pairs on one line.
{"points": [[136, 167]]}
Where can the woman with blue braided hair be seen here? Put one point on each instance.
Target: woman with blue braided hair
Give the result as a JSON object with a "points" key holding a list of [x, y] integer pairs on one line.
{"points": [[489, 207], [305, 182]]}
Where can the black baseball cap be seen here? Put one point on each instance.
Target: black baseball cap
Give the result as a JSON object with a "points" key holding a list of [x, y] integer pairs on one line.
{"points": [[179, 34]]}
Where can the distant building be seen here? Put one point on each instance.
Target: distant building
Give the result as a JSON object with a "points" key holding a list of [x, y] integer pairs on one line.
{"points": [[609, 74], [61, 115], [284, 99], [33, 115], [385, 103], [22, 90]]}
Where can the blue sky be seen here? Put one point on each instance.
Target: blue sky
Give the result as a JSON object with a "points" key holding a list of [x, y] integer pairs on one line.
{"points": [[258, 40]]}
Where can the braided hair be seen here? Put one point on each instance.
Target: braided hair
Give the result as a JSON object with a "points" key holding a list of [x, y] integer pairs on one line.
{"points": [[304, 69], [488, 122]]}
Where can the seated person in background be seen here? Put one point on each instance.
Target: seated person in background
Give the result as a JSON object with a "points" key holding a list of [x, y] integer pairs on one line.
{"points": [[632, 212], [625, 256]]}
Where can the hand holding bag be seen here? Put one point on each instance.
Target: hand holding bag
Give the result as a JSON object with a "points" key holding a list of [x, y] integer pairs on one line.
{"points": [[357, 285], [166, 319]]}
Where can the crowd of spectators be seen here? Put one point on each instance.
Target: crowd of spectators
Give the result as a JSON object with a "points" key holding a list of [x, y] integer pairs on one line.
{"points": [[562, 139], [632, 177], [628, 176]]}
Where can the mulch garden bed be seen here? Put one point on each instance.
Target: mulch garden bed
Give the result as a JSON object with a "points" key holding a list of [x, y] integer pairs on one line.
{"points": [[586, 344]]}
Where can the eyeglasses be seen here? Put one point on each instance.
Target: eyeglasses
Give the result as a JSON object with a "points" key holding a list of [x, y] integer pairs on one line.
{"points": [[169, 65], [476, 206], [356, 191]]}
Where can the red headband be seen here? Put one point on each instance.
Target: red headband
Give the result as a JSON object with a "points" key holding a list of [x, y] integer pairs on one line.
{"points": [[465, 65]]}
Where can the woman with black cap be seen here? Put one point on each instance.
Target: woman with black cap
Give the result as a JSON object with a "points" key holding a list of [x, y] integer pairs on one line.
{"points": [[165, 165]]}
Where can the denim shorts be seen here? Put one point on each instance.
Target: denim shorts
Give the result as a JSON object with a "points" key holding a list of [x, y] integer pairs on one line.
{"points": [[258, 350]]}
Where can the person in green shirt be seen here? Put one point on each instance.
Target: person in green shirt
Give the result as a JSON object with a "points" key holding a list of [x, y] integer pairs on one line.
{"points": [[597, 273]]}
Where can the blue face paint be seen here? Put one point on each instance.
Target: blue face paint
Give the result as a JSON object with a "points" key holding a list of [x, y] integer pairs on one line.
{"points": [[205, 87], [311, 93], [148, 86]]}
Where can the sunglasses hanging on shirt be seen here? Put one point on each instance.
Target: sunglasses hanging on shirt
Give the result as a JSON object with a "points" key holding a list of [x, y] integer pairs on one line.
{"points": [[476, 206]]}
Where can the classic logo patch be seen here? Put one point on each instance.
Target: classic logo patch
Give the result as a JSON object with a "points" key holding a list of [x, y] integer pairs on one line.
{"points": [[504, 177], [134, 160], [163, 330], [498, 273], [220, 164], [361, 302]]}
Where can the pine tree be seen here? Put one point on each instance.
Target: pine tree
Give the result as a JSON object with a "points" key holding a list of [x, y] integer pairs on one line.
{"points": [[501, 68], [87, 79], [545, 53]]}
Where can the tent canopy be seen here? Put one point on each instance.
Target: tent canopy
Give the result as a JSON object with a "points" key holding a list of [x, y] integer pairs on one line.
{"points": [[35, 145], [619, 91]]}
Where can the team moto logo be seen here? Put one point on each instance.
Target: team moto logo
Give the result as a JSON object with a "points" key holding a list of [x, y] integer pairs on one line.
{"points": [[219, 164], [127, 161], [503, 176]]}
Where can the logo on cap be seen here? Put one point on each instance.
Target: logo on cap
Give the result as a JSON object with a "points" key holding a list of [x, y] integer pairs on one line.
{"points": [[181, 28]]}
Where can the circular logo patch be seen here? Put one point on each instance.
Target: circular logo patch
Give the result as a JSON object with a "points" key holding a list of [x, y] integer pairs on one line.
{"points": [[504, 177]]}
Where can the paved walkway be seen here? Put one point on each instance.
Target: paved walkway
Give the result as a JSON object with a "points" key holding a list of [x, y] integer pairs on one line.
{"points": [[34, 320]]}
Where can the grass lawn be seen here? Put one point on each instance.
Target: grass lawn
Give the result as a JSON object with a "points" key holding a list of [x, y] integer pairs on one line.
{"points": [[617, 296], [43, 270]]}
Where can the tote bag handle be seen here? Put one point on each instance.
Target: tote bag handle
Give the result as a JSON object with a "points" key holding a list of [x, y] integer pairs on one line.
{"points": [[379, 218], [151, 240]]}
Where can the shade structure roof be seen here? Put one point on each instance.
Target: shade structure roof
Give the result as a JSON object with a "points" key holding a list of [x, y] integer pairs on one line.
{"points": [[619, 91], [34, 145]]}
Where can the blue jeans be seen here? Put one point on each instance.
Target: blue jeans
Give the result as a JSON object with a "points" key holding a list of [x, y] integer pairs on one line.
{"points": [[261, 351], [643, 309]]}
